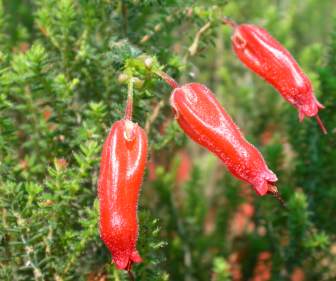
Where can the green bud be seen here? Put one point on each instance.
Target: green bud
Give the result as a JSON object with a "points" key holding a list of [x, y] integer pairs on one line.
{"points": [[148, 62], [123, 78], [138, 83]]}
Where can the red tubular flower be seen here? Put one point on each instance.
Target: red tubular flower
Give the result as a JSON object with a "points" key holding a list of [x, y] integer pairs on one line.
{"points": [[121, 171], [264, 55], [205, 121]]}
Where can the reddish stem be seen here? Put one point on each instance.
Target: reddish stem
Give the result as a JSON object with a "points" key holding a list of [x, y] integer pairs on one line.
{"points": [[320, 123], [169, 80], [129, 109], [273, 190], [230, 22], [129, 104]]}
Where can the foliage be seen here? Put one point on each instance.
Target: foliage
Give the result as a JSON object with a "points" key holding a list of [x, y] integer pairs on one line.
{"points": [[61, 88]]}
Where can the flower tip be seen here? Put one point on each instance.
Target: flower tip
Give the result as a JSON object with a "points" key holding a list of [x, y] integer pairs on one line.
{"points": [[321, 125]]}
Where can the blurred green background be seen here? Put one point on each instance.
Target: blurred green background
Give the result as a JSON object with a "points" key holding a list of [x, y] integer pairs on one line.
{"points": [[59, 95]]}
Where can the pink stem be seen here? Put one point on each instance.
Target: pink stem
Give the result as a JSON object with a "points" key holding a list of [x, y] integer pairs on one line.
{"points": [[320, 123], [129, 109], [230, 22], [169, 80], [129, 104]]}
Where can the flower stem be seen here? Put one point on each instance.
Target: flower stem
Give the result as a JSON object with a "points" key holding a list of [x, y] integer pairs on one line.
{"points": [[129, 104], [230, 22], [169, 80]]}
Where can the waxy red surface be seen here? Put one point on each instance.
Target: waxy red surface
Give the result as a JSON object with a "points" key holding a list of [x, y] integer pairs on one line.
{"points": [[122, 167], [264, 55], [205, 121]]}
